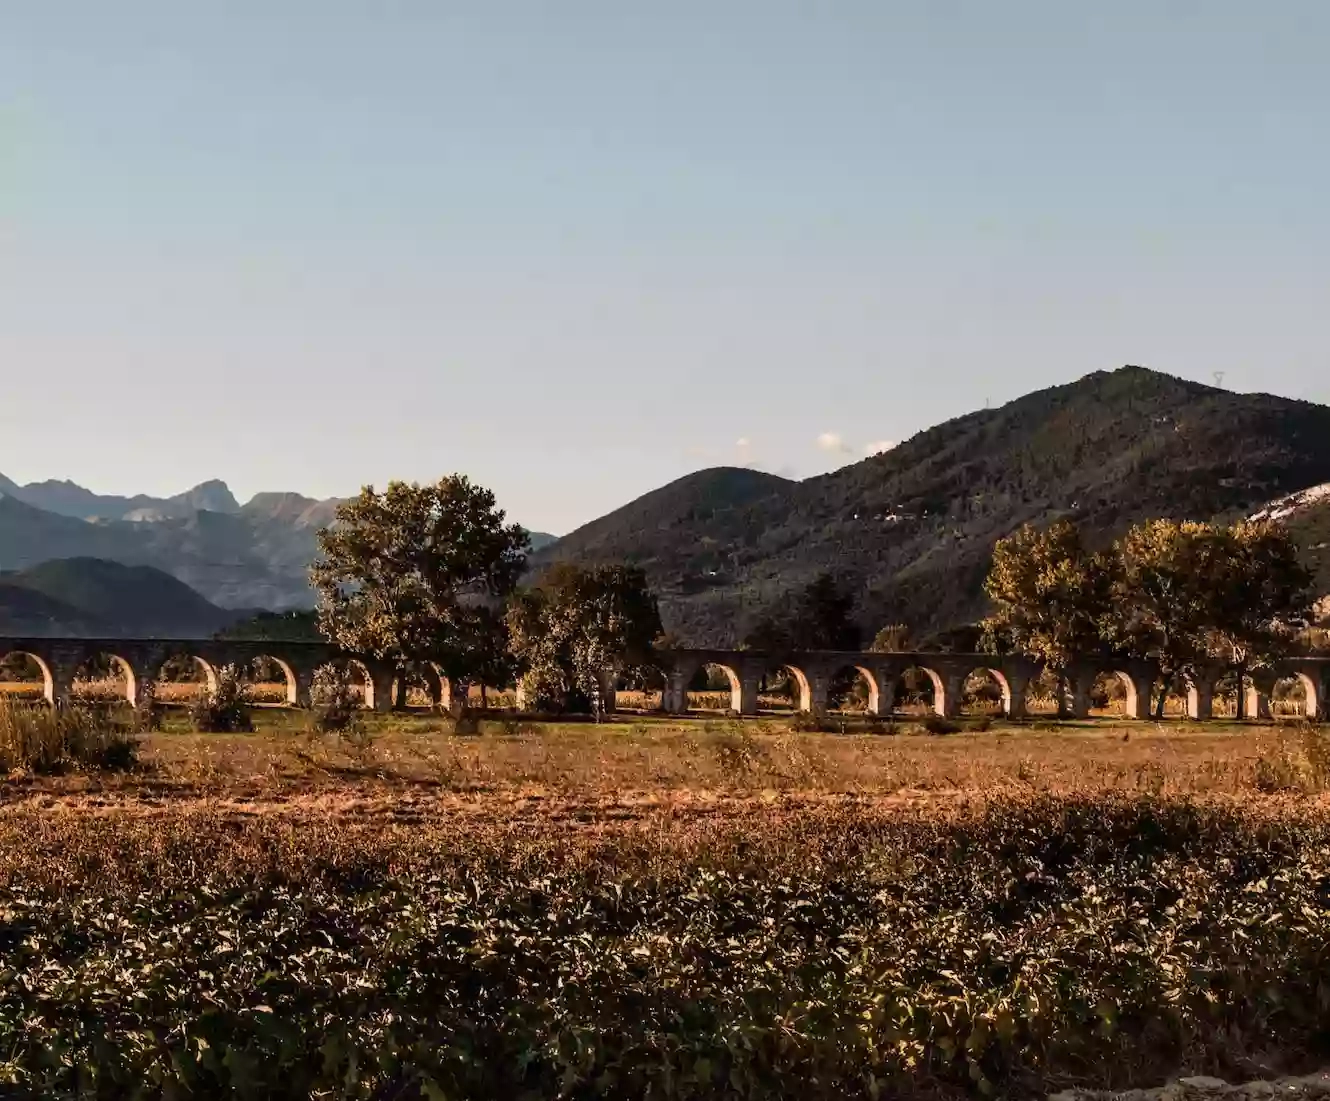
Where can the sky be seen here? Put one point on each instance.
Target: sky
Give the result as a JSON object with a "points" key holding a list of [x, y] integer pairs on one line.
{"points": [[579, 249]]}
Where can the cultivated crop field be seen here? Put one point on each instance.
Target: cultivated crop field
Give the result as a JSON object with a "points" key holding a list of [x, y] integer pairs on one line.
{"points": [[666, 909]]}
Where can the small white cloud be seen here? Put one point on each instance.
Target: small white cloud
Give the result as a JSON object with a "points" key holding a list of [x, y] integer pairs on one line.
{"points": [[743, 447], [879, 446], [831, 441]]}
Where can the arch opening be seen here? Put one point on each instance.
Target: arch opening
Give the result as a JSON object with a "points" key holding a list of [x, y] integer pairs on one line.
{"points": [[714, 688], [104, 678], [1228, 700], [270, 681], [852, 689], [354, 674], [1113, 695], [784, 689], [25, 676], [1293, 697], [1171, 700], [183, 677], [918, 690], [985, 691]]}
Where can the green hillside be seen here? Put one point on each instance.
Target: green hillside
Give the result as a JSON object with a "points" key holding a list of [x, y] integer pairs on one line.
{"points": [[911, 531], [91, 596]]}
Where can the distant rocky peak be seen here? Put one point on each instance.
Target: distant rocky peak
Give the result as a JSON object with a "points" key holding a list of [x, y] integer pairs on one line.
{"points": [[210, 496]]}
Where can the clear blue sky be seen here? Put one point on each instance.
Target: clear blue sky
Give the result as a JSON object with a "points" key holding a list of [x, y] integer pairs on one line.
{"points": [[578, 249]]}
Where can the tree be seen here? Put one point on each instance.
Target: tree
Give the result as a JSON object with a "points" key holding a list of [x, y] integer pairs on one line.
{"points": [[411, 574], [894, 638], [579, 627], [1164, 604], [1050, 595], [819, 617], [1260, 595]]}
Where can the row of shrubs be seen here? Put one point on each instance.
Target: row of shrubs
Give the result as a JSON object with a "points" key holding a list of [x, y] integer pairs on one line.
{"points": [[1010, 950]]}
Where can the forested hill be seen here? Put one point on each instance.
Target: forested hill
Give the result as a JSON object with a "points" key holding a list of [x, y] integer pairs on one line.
{"points": [[910, 532], [93, 597]]}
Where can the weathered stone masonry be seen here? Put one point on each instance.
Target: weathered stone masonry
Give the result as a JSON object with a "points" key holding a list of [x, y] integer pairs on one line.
{"points": [[813, 671]]}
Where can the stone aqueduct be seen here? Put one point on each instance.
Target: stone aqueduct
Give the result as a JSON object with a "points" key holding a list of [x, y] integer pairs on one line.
{"points": [[140, 660]]}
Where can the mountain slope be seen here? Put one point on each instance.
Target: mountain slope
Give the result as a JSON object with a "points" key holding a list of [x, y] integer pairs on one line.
{"points": [[911, 531], [1306, 514], [94, 596]]}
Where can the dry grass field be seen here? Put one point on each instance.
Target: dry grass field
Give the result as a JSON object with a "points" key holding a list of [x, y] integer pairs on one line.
{"points": [[666, 908], [655, 761]]}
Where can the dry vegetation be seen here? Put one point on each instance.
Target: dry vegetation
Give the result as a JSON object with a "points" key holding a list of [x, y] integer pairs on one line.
{"points": [[666, 909]]}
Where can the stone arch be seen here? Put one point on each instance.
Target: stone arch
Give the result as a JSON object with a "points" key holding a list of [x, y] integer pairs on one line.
{"points": [[122, 665], [358, 679], [862, 675], [1299, 698], [43, 667], [206, 669], [731, 675], [805, 701], [292, 689], [1178, 697], [1133, 705], [995, 676], [932, 679]]}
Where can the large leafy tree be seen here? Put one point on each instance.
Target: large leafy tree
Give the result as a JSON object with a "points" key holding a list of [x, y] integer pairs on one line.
{"points": [[412, 574], [1165, 601], [581, 625], [1050, 595], [1260, 595]]}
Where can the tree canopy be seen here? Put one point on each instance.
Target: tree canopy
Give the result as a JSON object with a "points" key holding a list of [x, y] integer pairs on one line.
{"points": [[411, 574], [579, 625], [1050, 594], [1174, 593]]}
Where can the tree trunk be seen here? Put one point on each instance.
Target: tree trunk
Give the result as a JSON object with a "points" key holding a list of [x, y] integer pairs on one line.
{"points": [[1242, 691], [1166, 685], [399, 691], [1062, 689], [484, 699]]}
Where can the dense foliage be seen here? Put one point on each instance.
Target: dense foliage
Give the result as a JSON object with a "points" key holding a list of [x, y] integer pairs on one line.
{"points": [[407, 575], [832, 953], [578, 631], [1178, 595], [911, 531]]}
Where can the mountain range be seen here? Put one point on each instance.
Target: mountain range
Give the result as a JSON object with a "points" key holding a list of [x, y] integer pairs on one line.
{"points": [[254, 555], [909, 533]]}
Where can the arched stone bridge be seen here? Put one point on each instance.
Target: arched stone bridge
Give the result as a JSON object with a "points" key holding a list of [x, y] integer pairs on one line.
{"points": [[141, 660]]}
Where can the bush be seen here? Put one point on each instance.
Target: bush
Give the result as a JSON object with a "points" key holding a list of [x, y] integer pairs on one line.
{"points": [[44, 739], [336, 704], [937, 724], [148, 713], [224, 710]]}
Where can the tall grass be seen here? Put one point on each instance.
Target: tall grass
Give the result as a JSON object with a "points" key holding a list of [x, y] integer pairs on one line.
{"points": [[44, 739]]}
